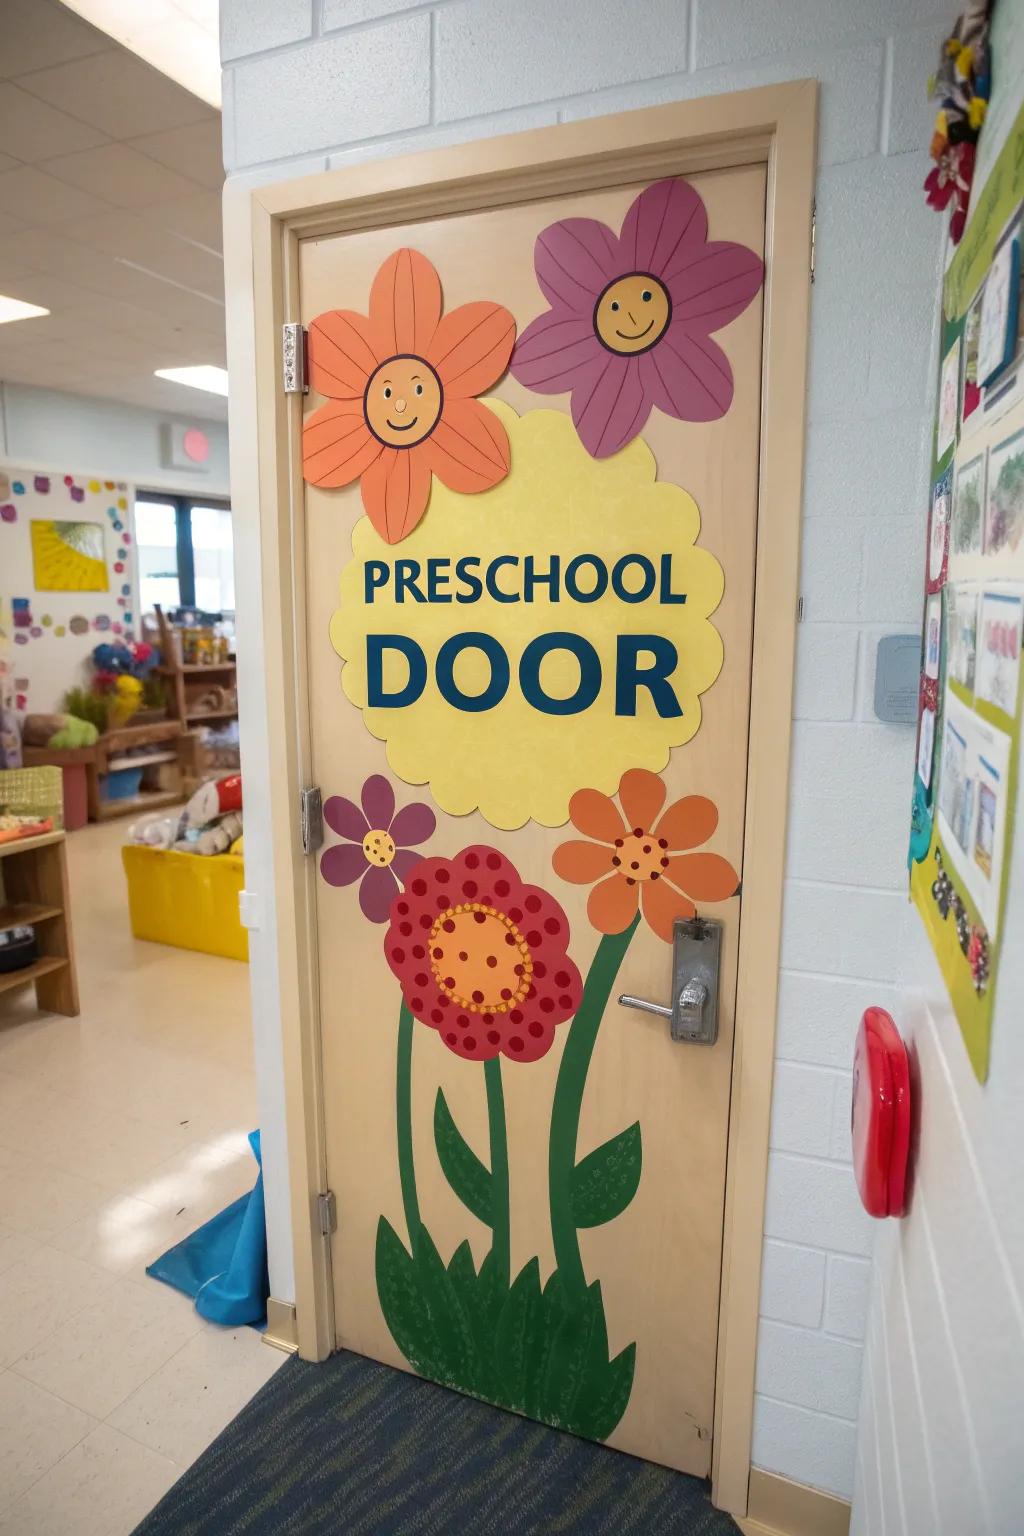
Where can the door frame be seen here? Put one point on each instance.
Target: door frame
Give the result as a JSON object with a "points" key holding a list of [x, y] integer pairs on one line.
{"points": [[775, 126]]}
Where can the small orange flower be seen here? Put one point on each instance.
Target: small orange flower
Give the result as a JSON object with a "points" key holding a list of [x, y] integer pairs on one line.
{"points": [[638, 860], [400, 386]]}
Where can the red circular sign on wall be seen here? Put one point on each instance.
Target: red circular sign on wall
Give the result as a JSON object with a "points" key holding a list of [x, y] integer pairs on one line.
{"points": [[881, 1114]]}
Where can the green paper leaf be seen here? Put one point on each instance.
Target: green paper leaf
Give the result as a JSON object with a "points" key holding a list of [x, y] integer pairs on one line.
{"points": [[606, 1180], [423, 1310], [464, 1171], [519, 1335]]}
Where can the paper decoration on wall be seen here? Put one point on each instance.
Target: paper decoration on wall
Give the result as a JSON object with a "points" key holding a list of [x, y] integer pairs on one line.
{"points": [[938, 531], [961, 86], [41, 484], [21, 612], [576, 647], [8, 512], [401, 385], [79, 625], [1004, 508], [632, 314], [1000, 303], [68, 557]]}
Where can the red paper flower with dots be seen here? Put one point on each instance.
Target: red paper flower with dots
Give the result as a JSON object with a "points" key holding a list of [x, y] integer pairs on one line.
{"points": [[481, 956]]}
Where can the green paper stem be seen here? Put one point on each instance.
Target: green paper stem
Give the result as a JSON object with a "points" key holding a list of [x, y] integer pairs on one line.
{"points": [[406, 1165], [568, 1103], [500, 1221]]}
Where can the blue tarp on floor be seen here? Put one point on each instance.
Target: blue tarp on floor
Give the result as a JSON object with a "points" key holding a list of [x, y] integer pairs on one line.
{"points": [[223, 1264]]}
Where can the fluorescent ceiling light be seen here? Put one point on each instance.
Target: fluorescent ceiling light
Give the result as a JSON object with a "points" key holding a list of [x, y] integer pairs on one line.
{"points": [[178, 37], [16, 309], [203, 376]]}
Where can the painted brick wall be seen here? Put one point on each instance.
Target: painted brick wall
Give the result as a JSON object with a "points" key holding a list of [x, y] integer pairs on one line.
{"points": [[311, 83], [939, 1446]]}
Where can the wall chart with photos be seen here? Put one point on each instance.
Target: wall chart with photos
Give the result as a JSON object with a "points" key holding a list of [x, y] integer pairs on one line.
{"points": [[971, 678]]}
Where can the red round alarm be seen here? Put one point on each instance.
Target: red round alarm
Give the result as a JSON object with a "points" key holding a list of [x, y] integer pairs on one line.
{"points": [[881, 1114]]}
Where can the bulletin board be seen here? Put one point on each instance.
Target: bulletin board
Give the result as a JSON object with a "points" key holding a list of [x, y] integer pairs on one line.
{"points": [[67, 582], [972, 681]]}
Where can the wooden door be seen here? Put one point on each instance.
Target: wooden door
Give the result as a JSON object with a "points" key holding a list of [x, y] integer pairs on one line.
{"points": [[528, 640]]}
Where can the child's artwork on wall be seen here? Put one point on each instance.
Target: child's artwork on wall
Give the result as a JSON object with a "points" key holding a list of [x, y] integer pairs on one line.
{"points": [[999, 644], [58, 560], [68, 557], [969, 507], [949, 400], [1004, 514]]}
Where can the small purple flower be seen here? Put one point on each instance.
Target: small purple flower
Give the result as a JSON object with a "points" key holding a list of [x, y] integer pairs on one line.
{"points": [[378, 851]]}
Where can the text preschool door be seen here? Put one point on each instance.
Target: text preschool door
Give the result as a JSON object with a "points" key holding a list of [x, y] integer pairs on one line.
{"points": [[530, 451]]}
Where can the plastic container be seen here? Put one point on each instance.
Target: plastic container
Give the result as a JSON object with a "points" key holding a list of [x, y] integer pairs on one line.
{"points": [[18, 948], [121, 784], [186, 899]]}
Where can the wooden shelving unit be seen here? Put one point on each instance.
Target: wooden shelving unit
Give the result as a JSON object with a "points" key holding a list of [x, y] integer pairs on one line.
{"points": [[187, 681], [173, 747], [34, 876]]}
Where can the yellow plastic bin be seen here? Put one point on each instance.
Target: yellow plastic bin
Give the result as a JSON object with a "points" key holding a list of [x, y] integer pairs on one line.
{"points": [[186, 899]]}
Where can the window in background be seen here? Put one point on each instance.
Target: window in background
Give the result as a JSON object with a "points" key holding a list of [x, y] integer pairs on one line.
{"points": [[184, 551]]}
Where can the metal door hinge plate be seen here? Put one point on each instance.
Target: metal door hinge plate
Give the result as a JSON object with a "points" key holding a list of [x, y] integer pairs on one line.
{"points": [[814, 236], [295, 374], [327, 1210], [311, 819]]}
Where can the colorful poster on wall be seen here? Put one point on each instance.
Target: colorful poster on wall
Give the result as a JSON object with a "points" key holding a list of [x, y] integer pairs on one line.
{"points": [[68, 557], [969, 749]]}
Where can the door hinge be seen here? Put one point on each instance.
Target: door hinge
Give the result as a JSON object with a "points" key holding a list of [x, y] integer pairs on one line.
{"points": [[295, 373], [311, 819], [327, 1211], [814, 236]]}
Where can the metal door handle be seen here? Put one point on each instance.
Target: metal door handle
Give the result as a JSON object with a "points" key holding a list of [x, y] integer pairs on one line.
{"points": [[696, 951]]}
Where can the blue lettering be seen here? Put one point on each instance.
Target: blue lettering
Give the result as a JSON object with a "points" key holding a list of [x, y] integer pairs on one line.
{"points": [[600, 579], [464, 570], [532, 578], [666, 594], [630, 675], [406, 573], [589, 685], [376, 573], [438, 575], [618, 578], [445, 667], [401, 698], [491, 578]]}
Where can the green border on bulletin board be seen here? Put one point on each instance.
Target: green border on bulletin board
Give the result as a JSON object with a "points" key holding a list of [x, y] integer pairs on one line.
{"points": [[998, 199]]}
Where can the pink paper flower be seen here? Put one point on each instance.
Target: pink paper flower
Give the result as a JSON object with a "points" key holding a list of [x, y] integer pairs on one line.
{"points": [[632, 314]]}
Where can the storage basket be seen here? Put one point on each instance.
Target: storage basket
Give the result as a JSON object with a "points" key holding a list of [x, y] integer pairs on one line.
{"points": [[37, 792], [186, 899]]}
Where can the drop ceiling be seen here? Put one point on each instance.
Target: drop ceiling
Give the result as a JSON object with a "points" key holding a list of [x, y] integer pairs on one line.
{"points": [[110, 215]]}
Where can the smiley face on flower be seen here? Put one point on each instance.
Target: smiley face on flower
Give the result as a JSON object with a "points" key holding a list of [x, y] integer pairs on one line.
{"points": [[400, 386], [631, 316]]}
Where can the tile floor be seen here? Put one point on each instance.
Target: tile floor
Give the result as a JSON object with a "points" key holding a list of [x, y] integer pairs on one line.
{"points": [[120, 1131]]}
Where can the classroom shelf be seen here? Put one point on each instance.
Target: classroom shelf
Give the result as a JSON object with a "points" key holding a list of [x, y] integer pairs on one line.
{"points": [[23, 914], [44, 966]]}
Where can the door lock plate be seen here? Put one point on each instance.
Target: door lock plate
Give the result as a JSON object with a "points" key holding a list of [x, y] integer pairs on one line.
{"points": [[696, 955]]}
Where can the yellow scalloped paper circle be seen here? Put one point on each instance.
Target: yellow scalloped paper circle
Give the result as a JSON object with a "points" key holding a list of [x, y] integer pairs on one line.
{"points": [[514, 762]]}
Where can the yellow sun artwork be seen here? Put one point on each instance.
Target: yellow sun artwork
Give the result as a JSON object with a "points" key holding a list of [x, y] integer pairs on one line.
{"points": [[68, 557]]}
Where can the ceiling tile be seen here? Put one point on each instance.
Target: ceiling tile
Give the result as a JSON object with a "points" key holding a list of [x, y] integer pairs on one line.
{"points": [[37, 33], [32, 130], [117, 93], [195, 151], [29, 194], [136, 239], [121, 175], [199, 218]]}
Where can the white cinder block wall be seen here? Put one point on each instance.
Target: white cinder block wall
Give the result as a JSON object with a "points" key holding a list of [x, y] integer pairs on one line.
{"points": [[315, 83], [939, 1447]]}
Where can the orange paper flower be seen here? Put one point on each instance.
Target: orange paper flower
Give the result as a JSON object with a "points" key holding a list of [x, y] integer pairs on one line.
{"points": [[401, 384], [637, 860]]}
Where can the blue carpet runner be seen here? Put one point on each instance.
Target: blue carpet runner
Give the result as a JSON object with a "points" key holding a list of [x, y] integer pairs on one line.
{"points": [[353, 1448]]}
